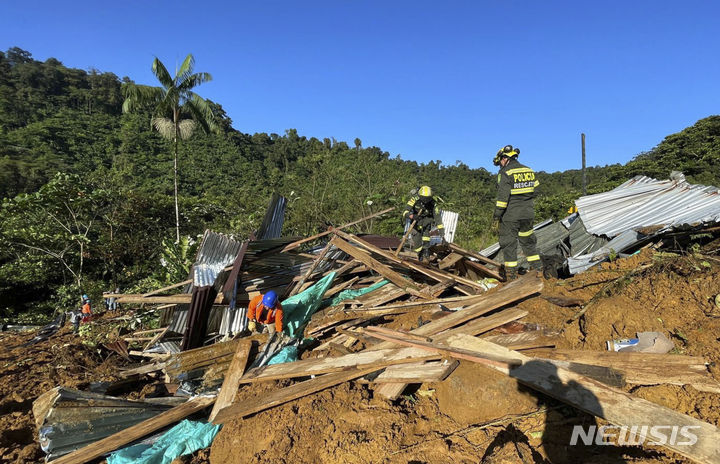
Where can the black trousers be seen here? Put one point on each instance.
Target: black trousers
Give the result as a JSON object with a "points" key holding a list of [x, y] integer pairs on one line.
{"points": [[513, 231]]}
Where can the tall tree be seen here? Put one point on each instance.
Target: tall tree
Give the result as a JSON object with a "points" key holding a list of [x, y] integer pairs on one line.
{"points": [[176, 110]]}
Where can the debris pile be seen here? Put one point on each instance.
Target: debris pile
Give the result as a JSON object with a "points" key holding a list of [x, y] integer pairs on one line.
{"points": [[364, 323]]}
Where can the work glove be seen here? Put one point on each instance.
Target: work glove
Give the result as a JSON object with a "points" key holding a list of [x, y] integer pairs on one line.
{"points": [[252, 325], [496, 225], [411, 217]]}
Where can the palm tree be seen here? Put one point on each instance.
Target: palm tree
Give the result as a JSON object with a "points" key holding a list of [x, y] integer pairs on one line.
{"points": [[176, 110]]}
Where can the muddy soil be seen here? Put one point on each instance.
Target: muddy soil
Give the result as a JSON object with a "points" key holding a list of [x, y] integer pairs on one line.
{"points": [[478, 415], [26, 372]]}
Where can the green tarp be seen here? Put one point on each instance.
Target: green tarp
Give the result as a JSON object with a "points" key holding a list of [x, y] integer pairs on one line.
{"points": [[298, 308], [350, 294], [185, 438]]}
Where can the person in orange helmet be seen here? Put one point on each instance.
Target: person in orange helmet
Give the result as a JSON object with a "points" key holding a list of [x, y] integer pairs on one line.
{"points": [[267, 310]]}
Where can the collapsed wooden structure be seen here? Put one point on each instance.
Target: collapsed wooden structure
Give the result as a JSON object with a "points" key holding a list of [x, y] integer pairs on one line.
{"points": [[457, 300]]}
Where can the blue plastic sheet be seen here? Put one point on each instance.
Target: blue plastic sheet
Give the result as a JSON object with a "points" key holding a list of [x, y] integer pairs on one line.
{"points": [[185, 438], [350, 293], [298, 309], [286, 355]]}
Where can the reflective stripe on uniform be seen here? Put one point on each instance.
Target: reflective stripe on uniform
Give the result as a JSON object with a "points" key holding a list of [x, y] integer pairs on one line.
{"points": [[418, 249], [522, 190], [518, 170], [501, 204], [510, 263], [426, 239], [441, 226], [533, 258], [537, 182], [525, 234]]}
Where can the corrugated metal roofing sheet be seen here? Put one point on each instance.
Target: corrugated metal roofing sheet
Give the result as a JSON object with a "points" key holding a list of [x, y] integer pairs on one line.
{"points": [[272, 224], [644, 202], [449, 220], [215, 253]]}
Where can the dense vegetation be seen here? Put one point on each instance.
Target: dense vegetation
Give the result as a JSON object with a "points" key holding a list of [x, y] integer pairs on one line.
{"points": [[88, 191]]}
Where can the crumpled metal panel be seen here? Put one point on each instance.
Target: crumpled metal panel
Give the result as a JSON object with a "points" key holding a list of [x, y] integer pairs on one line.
{"points": [[582, 242], [645, 202], [272, 224], [620, 243], [216, 252]]}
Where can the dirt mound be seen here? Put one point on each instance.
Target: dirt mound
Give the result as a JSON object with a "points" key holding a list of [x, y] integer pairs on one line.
{"points": [[26, 372], [456, 421]]}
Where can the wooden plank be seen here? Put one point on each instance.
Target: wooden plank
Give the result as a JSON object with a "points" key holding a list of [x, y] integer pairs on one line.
{"points": [[435, 274], [508, 294], [377, 266], [472, 254], [120, 439], [169, 287], [141, 332], [231, 382], [435, 371], [482, 269], [644, 368], [318, 259], [611, 404], [340, 287], [307, 367], [457, 353], [287, 394], [449, 260], [144, 369], [476, 327], [179, 298], [293, 245], [156, 338]]}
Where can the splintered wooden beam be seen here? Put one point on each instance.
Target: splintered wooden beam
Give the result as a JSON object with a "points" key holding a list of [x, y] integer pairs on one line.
{"points": [[232, 378], [482, 269], [508, 294], [169, 287], [449, 260], [293, 392], [378, 267], [457, 353], [137, 431], [472, 254], [362, 359], [644, 368], [179, 298], [435, 371], [293, 245], [614, 405], [318, 259], [433, 273]]}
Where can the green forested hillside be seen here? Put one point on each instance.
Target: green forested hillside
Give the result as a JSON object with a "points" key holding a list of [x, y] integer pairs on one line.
{"points": [[87, 191]]}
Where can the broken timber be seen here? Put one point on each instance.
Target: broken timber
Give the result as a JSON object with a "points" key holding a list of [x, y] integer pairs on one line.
{"points": [[290, 393], [378, 267], [231, 381], [603, 401]]}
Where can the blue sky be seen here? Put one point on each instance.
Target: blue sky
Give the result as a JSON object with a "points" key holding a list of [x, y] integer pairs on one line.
{"points": [[426, 80]]}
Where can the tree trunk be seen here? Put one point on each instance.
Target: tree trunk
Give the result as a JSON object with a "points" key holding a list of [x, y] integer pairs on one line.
{"points": [[177, 209]]}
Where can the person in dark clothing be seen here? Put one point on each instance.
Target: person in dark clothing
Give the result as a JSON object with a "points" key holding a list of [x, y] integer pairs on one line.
{"points": [[423, 209], [515, 210]]}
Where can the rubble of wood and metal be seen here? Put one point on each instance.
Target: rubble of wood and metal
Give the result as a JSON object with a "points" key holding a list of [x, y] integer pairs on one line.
{"points": [[343, 291], [640, 212]]}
